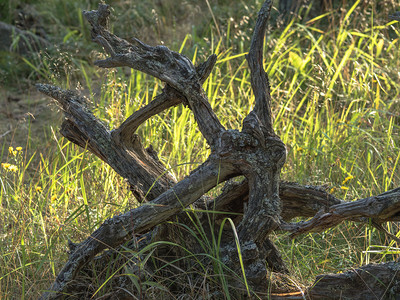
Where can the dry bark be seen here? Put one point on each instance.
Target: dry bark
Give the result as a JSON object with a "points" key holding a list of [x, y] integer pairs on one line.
{"points": [[255, 152], [382, 208], [374, 281]]}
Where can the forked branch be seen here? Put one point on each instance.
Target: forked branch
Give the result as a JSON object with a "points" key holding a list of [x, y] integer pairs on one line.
{"points": [[146, 176], [173, 68], [168, 98]]}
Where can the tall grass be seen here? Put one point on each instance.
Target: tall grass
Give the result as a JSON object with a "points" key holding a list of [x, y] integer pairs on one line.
{"points": [[335, 94]]}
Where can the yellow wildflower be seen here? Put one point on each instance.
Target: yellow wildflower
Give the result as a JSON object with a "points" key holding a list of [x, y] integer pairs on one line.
{"points": [[11, 150], [19, 149], [344, 188], [53, 198], [347, 179], [5, 165], [300, 149], [331, 190], [13, 168], [38, 189]]}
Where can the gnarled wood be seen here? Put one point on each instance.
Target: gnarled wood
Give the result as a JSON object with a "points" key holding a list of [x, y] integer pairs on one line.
{"points": [[170, 67], [120, 229], [374, 281], [382, 208], [260, 201], [147, 177], [259, 78], [168, 98], [297, 200]]}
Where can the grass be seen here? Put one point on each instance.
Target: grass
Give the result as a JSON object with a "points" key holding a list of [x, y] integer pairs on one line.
{"points": [[335, 89]]}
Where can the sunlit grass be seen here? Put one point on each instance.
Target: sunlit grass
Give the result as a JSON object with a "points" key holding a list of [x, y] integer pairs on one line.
{"points": [[336, 104]]}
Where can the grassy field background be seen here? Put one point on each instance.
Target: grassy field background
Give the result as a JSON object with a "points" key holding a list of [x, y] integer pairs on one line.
{"points": [[335, 87]]}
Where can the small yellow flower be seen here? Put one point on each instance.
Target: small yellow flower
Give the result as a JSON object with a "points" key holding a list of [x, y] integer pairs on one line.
{"points": [[5, 165], [11, 150], [347, 179], [300, 149], [331, 190], [38, 189], [13, 168], [53, 198], [345, 188], [19, 149]]}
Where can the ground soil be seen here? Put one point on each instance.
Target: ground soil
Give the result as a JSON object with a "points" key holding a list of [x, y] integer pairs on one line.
{"points": [[24, 118]]}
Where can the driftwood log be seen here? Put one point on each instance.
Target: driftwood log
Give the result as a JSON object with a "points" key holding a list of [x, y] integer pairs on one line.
{"points": [[261, 202]]}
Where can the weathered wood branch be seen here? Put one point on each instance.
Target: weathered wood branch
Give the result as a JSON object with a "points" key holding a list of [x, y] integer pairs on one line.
{"points": [[170, 67], [259, 78], [374, 281], [146, 176], [256, 152], [370, 282], [121, 228], [168, 98], [297, 200], [264, 163], [382, 208]]}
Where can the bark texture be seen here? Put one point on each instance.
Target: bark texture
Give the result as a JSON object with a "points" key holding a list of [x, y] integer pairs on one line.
{"points": [[260, 202], [374, 281]]}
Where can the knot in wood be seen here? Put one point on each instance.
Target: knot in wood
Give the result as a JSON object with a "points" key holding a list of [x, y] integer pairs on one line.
{"points": [[276, 150], [232, 141]]}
